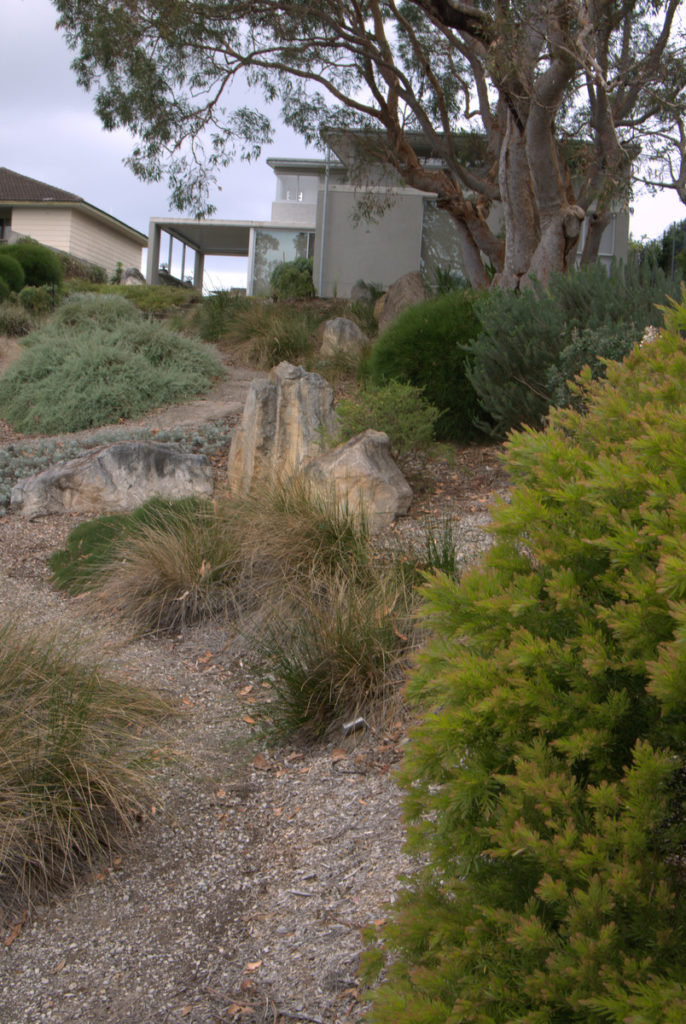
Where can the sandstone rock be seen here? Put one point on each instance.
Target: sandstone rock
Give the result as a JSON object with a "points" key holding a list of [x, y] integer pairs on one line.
{"points": [[406, 291], [132, 276], [362, 474], [378, 307], [341, 336], [118, 478], [284, 421]]}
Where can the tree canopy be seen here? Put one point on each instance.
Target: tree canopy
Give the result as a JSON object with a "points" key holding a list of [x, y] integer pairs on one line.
{"points": [[557, 92]]}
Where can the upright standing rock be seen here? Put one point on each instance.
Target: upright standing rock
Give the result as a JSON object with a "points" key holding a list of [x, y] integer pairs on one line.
{"points": [[284, 421], [406, 291]]}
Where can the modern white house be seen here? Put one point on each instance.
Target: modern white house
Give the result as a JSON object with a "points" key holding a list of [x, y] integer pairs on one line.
{"points": [[65, 222], [316, 213]]}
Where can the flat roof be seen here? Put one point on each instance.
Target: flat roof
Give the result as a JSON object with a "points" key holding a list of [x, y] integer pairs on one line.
{"points": [[219, 237]]}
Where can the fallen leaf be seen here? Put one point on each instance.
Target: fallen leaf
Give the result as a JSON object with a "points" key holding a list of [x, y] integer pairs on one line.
{"points": [[206, 656], [261, 763], [277, 811], [116, 862], [185, 1010], [187, 701], [339, 755], [221, 793], [249, 719], [253, 966], [16, 929], [61, 965], [294, 756], [246, 689]]}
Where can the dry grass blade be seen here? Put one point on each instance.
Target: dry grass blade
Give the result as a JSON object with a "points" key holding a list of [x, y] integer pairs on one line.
{"points": [[72, 767]]}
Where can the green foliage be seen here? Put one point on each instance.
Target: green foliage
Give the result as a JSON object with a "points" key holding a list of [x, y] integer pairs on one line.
{"points": [[424, 347], [527, 335], [338, 659], [292, 280], [96, 543], [75, 269], [12, 272], [4, 290], [400, 410], [215, 313], [264, 334], [72, 769], [40, 264], [153, 300], [36, 300], [591, 347], [80, 310], [544, 784], [70, 378], [15, 322]]}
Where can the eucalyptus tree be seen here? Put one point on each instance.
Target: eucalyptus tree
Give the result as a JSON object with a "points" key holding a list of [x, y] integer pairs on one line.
{"points": [[534, 104]]}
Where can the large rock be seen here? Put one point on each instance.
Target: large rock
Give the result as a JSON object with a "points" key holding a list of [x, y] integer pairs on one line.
{"points": [[132, 276], [116, 478], [406, 291], [361, 473], [286, 419], [341, 336]]}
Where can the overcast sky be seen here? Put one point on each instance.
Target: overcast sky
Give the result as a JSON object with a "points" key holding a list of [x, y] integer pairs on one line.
{"points": [[49, 132]]}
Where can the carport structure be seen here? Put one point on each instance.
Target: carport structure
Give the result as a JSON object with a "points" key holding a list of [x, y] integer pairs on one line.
{"points": [[203, 238]]}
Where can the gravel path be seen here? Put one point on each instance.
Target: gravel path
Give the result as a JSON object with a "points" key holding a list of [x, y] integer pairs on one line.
{"points": [[242, 896]]}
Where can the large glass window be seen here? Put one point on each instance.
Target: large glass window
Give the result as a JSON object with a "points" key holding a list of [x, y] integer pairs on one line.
{"points": [[441, 254], [297, 188], [274, 246]]}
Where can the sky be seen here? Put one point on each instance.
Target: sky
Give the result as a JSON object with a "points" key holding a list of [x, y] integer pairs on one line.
{"points": [[49, 132]]}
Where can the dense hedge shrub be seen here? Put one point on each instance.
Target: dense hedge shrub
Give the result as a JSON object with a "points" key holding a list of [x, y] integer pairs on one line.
{"points": [[399, 410], [40, 264], [4, 290], [292, 280], [12, 272], [37, 300], [545, 784], [424, 347], [524, 335]]}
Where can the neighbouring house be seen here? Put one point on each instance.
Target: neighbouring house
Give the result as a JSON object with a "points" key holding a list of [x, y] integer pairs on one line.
{"points": [[65, 222], [316, 214]]}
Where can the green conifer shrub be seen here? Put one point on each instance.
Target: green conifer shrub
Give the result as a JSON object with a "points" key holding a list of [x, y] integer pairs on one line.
{"points": [[399, 410], [525, 334], [12, 272], [425, 347], [40, 264], [545, 783]]}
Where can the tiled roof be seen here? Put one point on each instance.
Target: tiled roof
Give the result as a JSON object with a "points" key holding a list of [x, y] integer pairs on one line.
{"points": [[18, 188]]}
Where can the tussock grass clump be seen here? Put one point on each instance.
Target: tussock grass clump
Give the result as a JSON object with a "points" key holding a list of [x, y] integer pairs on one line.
{"points": [[265, 334], [340, 657], [72, 769], [73, 376], [174, 567]]}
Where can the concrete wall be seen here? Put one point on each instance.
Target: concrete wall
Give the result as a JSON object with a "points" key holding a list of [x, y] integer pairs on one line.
{"points": [[75, 232], [378, 252]]}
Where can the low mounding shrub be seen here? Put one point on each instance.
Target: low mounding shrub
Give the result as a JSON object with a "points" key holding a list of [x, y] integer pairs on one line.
{"points": [[15, 321], [37, 301], [545, 782], [292, 280], [4, 290], [12, 272], [399, 410], [425, 347], [70, 379], [72, 768], [40, 264], [82, 309], [530, 339]]}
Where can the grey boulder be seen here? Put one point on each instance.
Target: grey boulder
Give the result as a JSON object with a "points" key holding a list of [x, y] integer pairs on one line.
{"points": [[341, 336], [115, 478]]}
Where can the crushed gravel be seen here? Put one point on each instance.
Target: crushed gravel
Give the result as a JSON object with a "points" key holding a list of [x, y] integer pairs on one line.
{"points": [[244, 891]]}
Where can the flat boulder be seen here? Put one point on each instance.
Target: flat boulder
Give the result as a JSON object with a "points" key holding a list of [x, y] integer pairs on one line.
{"points": [[408, 290], [361, 474], [341, 336], [114, 478], [285, 421]]}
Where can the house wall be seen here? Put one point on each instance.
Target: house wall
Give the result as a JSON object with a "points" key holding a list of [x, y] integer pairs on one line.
{"points": [[47, 226], [378, 252], [74, 232], [97, 243]]}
